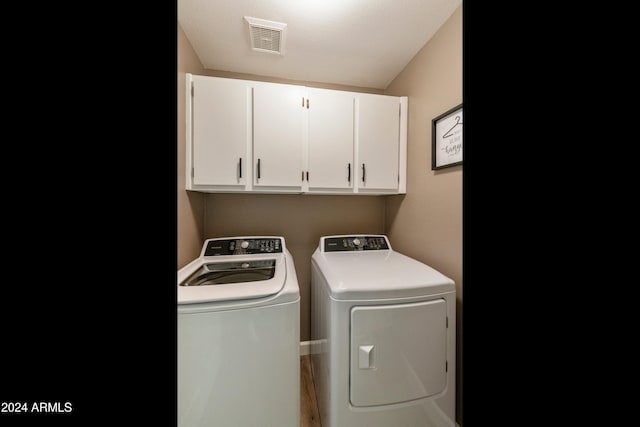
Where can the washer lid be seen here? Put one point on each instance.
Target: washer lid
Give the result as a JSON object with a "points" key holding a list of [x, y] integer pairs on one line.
{"points": [[210, 279], [378, 275]]}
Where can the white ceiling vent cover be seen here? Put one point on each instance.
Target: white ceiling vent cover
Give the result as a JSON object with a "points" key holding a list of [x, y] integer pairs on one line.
{"points": [[267, 36]]}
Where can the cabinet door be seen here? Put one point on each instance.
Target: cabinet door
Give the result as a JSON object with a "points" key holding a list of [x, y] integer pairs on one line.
{"points": [[220, 117], [378, 142], [330, 139], [278, 136]]}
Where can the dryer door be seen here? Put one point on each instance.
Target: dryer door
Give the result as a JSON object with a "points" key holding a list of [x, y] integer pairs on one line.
{"points": [[398, 352]]}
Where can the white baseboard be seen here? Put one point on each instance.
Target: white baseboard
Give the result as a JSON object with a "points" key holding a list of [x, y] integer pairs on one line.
{"points": [[305, 348], [309, 347]]}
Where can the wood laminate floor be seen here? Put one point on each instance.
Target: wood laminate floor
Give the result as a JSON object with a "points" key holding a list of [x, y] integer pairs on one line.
{"points": [[309, 416]]}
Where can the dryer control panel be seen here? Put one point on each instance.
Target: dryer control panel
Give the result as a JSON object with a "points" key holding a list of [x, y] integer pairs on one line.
{"points": [[354, 243], [243, 246]]}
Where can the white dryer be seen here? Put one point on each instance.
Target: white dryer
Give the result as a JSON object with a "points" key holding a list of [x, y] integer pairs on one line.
{"points": [[383, 326], [239, 335]]}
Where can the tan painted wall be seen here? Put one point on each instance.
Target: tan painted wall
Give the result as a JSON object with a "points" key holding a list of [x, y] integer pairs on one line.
{"points": [[190, 204], [426, 223]]}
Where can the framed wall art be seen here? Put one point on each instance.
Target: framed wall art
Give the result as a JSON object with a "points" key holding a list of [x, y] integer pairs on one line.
{"points": [[446, 139]]}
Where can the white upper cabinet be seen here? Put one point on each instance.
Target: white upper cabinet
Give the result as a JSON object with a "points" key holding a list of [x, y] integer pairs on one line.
{"points": [[220, 118], [279, 112], [330, 140], [378, 140], [264, 137]]}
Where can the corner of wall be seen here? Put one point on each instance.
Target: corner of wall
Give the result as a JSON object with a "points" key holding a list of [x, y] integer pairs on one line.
{"points": [[190, 209]]}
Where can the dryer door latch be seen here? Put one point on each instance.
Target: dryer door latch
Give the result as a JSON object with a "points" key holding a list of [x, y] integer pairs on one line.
{"points": [[365, 357]]}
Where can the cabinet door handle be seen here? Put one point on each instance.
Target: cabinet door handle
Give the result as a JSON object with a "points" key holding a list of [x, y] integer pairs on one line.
{"points": [[349, 172], [258, 168], [363, 172], [240, 167]]}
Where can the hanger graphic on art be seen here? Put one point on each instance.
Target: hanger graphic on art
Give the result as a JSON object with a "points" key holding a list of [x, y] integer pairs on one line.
{"points": [[448, 133]]}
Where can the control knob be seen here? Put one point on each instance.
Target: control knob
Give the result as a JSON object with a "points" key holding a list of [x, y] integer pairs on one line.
{"points": [[244, 244], [356, 242]]}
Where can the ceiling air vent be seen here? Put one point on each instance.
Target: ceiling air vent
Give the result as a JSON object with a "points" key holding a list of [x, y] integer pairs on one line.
{"points": [[266, 36]]}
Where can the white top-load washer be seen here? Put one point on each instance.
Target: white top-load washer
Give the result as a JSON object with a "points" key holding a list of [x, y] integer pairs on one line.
{"points": [[239, 335], [383, 329]]}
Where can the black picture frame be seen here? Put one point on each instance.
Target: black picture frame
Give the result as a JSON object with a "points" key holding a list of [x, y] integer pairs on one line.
{"points": [[446, 139]]}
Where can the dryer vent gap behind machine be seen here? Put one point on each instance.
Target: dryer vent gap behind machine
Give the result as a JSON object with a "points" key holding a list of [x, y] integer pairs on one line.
{"points": [[384, 327]]}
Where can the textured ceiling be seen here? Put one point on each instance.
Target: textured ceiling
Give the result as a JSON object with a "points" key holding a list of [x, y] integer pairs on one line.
{"points": [[362, 43]]}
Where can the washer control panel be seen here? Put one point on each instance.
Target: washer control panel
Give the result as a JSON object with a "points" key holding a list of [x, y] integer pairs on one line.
{"points": [[354, 243], [243, 246]]}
